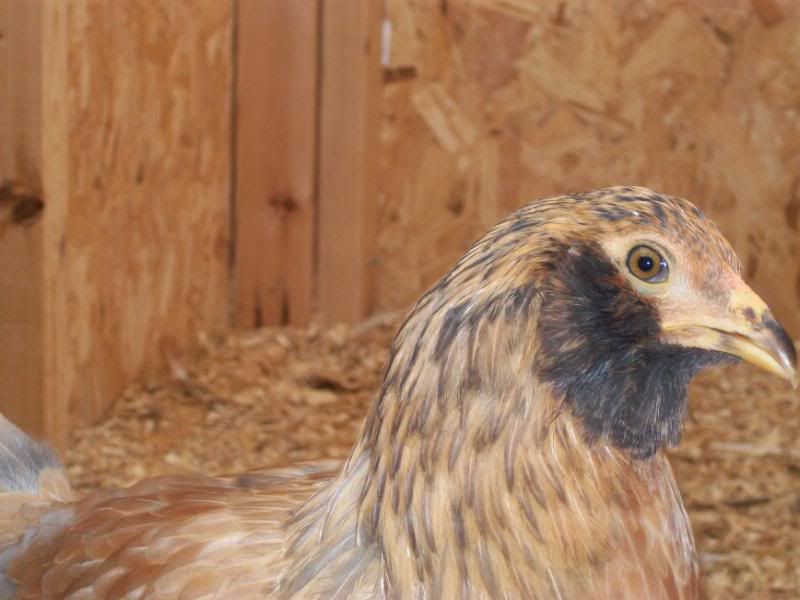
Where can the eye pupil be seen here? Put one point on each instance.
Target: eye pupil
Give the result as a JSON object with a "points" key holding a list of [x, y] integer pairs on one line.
{"points": [[646, 263]]}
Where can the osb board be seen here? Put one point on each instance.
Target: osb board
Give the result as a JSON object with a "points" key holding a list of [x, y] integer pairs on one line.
{"points": [[491, 103], [137, 190], [272, 396]]}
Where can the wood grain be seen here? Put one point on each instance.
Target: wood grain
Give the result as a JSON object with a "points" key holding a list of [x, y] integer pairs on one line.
{"points": [[509, 101], [145, 223], [121, 125], [21, 327], [348, 161], [276, 111]]}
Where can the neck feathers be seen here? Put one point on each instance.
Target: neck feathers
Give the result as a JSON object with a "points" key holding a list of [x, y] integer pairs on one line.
{"points": [[474, 474]]}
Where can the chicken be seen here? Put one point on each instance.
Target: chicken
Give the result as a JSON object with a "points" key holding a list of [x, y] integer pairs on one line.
{"points": [[515, 448]]}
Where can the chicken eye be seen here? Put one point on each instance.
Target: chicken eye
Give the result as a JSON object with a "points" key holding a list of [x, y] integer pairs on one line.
{"points": [[647, 264]]}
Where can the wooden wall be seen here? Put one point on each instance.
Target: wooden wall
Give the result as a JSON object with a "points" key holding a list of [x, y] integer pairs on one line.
{"points": [[492, 103], [131, 124], [159, 177], [21, 268], [276, 142], [308, 98]]}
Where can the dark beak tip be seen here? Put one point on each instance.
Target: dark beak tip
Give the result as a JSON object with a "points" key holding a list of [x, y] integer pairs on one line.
{"points": [[784, 339], [785, 346]]}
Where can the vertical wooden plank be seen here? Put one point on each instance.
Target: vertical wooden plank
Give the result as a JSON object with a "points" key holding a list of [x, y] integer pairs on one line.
{"points": [[275, 161], [21, 350], [348, 160], [58, 371], [20, 89]]}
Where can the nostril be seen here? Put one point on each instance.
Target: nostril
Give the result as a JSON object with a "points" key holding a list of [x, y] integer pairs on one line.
{"points": [[749, 314]]}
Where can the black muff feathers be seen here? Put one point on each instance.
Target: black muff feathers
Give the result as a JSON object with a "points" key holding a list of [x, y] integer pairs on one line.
{"points": [[601, 355]]}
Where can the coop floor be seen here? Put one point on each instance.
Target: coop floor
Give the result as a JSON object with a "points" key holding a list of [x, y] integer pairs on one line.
{"points": [[253, 399]]}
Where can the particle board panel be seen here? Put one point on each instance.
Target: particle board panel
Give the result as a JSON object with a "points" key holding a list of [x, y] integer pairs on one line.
{"points": [[139, 246], [129, 257], [276, 108], [349, 130], [21, 329], [489, 104]]}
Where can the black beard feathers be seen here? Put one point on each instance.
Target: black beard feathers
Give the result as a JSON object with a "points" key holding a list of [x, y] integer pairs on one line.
{"points": [[600, 353]]}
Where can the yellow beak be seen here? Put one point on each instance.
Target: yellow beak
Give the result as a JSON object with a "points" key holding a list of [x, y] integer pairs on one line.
{"points": [[745, 329]]}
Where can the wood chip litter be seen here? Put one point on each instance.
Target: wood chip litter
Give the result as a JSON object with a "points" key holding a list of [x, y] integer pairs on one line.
{"points": [[251, 399]]}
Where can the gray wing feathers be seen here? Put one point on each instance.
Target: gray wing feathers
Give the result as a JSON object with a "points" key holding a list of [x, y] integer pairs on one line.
{"points": [[22, 459]]}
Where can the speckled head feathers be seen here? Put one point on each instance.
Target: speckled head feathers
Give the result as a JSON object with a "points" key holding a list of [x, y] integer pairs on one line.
{"points": [[541, 289]]}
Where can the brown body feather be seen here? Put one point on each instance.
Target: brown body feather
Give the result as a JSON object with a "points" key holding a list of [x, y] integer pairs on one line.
{"points": [[472, 478], [557, 532]]}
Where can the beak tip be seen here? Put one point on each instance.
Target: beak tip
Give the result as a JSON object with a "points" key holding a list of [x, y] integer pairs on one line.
{"points": [[783, 348]]}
